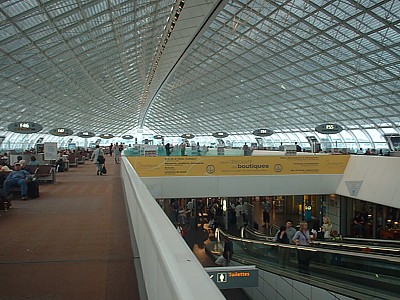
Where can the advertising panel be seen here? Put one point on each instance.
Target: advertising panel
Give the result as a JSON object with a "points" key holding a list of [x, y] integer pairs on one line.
{"points": [[238, 165]]}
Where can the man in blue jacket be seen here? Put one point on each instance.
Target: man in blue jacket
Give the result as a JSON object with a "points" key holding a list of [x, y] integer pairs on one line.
{"points": [[18, 177]]}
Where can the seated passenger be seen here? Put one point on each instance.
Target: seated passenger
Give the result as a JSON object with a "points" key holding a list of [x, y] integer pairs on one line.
{"points": [[4, 171], [4, 168], [22, 163], [60, 165], [18, 177], [34, 162]]}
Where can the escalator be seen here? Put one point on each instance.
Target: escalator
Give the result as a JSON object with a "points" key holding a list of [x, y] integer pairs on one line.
{"points": [[372, 246], [368, 275]]}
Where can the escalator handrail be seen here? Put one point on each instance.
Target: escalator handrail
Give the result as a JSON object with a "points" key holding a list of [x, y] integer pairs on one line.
{"points": [[396, 251], [310, 248]]}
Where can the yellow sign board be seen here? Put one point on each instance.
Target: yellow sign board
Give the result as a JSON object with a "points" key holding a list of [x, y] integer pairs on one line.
{"points": [[238, 165]]}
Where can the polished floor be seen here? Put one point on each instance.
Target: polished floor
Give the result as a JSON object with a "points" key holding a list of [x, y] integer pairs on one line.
{"points": [[71, 243]]}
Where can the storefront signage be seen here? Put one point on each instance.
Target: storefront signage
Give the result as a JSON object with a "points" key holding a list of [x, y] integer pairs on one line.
{"points": [[220, 135], [24, 127], [328, 128], [232, 165], [263, 132], [187, 136], [106, 136], [158, 137], [127, 137], [233, 277], [61, 131], [86, 134]]}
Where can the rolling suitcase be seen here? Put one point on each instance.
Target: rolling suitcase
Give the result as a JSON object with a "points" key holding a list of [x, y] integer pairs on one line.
{"points": [[33, 189]]}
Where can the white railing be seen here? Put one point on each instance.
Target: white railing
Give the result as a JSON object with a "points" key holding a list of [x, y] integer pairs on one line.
{"points": [[170, 269]]}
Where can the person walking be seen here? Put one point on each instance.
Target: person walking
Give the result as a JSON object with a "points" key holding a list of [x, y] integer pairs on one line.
{"points": [[111, 148], [117, 153], [99, 160]]}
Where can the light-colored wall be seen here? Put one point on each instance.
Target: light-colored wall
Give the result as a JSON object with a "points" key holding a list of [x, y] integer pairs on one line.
{"points": [[379, 177], [273, 286], [241, 186]]}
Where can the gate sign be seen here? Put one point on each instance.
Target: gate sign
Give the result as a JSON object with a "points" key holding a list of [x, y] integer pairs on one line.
{"points": [[106, 136], [187, 136], [24, 127], [328, 128], [86, 134], [234, 277], [263, 132], [220, 134], [61, 131]]}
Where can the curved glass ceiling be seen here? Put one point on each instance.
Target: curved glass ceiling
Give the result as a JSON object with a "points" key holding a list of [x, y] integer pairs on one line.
{"points": [[174, 67]]}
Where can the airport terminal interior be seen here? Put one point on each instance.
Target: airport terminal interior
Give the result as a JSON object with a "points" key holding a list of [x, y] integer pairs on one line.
{"points": [[222, 149]]}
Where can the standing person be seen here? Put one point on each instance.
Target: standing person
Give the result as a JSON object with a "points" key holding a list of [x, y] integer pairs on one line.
{"points": [[168, 149], [121, 148], [111, 147], [239, 215], [298, 148], [327, 227], [117, 153], [99, 160], [283, 252], [198, 149], [182, 146], [266, 210], [175, 211], [246, 150], [289, 232], [303, 238], [226, 256]]}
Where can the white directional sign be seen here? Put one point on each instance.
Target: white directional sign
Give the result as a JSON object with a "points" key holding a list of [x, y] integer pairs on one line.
{"points": [[221, 277]]}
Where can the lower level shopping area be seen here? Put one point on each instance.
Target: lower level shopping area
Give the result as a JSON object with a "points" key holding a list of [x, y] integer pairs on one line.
{"points": [[348, 217], [207, 210]]}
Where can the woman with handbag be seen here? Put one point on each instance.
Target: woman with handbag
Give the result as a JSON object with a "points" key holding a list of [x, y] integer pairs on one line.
{"points": [[99, 160]]}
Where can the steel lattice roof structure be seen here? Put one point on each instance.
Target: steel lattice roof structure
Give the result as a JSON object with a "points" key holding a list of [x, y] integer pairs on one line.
{"points": [[200, 66]]}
